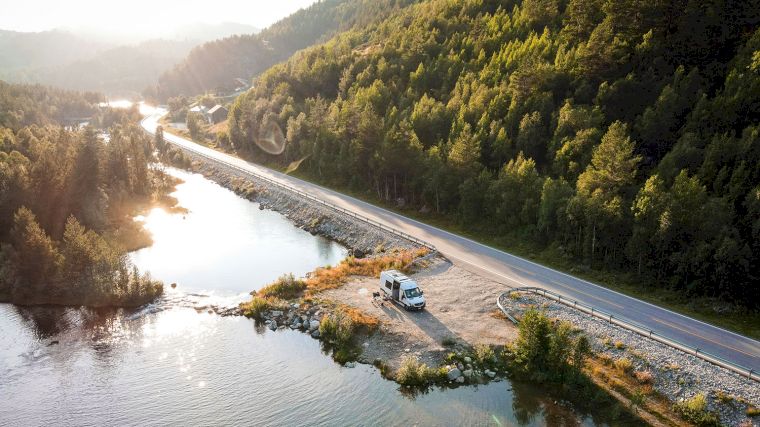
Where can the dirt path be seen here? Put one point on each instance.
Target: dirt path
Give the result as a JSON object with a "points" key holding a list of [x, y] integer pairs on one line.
{"points": [[460, 306]]}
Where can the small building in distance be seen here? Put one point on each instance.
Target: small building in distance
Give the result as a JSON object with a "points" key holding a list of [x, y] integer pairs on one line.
{"points": [[217, 114]]}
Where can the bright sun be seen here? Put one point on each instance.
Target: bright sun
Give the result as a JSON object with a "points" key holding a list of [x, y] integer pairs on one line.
{"points": [[141, 17]]}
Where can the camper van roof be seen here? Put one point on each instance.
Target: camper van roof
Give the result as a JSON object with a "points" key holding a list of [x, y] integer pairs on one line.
{"points": [[406, 282], [399, 276]]}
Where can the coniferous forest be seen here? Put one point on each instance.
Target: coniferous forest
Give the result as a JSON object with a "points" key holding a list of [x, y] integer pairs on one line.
{"points": [[63, 194], [621, 134]]}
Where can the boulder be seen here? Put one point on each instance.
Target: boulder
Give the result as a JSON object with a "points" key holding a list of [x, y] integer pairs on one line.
{"points": [[314, 325], [467, 373], [490, 374], [315, 334], [273, 325], [467, 359], [460, 380], [453, 374], [295, 326], [350, 364], [276, 313]]}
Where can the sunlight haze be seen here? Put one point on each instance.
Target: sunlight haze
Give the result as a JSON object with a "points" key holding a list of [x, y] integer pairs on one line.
{"points": [[140, 17]]}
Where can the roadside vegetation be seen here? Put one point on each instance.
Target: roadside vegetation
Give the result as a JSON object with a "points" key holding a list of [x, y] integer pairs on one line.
{"points": [[617, 143], [67, 199], [555, 354], [340, 328], [331, 277]]}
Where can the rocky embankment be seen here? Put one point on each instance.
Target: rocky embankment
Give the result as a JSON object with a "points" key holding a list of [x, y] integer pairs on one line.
{"points": [[675, 374], [359, 236]]}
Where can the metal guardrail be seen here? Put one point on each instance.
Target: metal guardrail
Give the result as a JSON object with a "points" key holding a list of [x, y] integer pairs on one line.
{"points": [[601, 314], [305, 195], [631, 326]]}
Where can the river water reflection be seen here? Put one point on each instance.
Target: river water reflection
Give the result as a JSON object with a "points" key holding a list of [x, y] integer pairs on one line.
{"points": [[170, 364]]}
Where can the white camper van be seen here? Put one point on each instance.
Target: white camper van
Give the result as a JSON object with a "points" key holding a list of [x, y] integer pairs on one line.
{"points": [[401, 290]]}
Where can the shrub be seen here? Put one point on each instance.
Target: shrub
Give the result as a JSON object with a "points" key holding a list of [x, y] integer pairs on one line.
{"points": [[484, 354], [414, 373], [361, 320], [619, 345], [548, 352], [695, 411], [644, 377], [337, 329], [724, 397], [285, 287], [256, 307], [752, 411], [623, 364]]}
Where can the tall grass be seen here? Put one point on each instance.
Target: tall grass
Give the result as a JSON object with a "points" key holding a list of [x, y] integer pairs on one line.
{"points": [[286, 287], [694, 410], [412, 372], [334, 277]]}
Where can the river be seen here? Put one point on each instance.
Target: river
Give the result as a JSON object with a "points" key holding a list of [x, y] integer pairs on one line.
{"points": [[173, 363]]}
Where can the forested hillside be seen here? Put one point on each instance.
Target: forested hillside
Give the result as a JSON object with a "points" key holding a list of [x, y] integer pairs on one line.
{"points": [[622, 134], [62, 195], [215, 65], [26, 105]]}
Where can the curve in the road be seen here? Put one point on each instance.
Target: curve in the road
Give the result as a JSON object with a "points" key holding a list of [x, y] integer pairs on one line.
{"points": [[510, 269]]}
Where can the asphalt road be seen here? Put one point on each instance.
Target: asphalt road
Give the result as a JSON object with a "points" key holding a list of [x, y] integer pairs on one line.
{"points": [[515, 271]]}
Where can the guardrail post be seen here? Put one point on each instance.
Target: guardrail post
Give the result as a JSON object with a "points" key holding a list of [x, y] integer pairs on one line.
{"points": [[749, 374], [610, 318]]}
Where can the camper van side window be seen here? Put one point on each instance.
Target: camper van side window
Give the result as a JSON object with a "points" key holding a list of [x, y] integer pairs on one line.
{"points": [[387, 284]]}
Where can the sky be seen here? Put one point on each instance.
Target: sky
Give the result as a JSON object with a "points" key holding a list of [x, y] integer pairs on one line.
{"points": [[140, 17]]}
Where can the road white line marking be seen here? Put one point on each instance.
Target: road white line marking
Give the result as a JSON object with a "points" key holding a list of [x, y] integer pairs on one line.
{"points": [[257, 169], [674, 326]]}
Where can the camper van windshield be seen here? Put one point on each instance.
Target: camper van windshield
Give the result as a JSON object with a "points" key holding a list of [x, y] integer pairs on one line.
{"points": [[412, 293]]}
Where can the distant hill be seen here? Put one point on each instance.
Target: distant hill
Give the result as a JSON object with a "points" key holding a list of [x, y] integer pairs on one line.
{"points": [[206, 32], [120, 71], [215, 65], [85, 59], [196, 31], [23, 53]]}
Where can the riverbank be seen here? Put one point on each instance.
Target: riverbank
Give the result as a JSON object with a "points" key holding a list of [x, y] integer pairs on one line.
{"points": [[360, 237], [462, 313]]}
